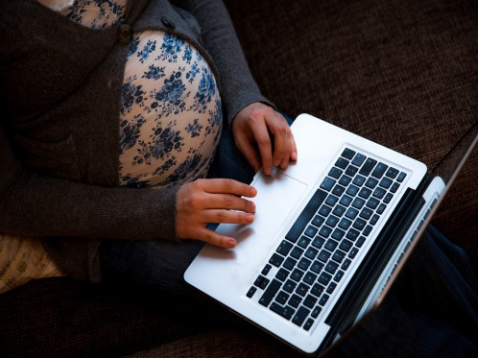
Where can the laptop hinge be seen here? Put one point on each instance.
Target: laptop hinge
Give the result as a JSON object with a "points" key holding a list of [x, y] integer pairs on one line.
{"points": [[356, 293]]}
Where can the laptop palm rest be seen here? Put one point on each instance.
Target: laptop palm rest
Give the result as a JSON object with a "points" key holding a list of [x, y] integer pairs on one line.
{"points": [[273, 192]]}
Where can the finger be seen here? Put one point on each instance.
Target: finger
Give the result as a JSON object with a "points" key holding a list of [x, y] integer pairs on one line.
{"points": [[226, 216], [278, 126], [260, 133], [215, 239], [230, 202], [227, 186], [294, 152], [250, 153]]}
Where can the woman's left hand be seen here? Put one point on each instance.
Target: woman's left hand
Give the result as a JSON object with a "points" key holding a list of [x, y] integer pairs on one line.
{"points": [[253, 127]]}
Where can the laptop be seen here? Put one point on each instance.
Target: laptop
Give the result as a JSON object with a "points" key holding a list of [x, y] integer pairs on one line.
{"points": [[330, 235]]}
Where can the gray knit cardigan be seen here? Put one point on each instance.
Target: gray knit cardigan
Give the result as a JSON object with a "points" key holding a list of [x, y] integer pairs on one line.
{"points": [[60, 88]]}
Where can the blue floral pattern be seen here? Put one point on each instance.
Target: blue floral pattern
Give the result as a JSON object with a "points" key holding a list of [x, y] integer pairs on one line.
{"points": [[170, 107]]}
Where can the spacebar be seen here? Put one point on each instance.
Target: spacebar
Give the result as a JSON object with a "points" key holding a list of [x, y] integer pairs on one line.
{"points": [[306, 215]]}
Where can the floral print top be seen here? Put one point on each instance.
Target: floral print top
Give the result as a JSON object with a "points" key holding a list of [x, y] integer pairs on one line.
{"points": [[170, 107]]}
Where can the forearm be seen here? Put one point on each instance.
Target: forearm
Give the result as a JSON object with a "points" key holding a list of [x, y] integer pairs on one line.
{"points": [[237, 86]]}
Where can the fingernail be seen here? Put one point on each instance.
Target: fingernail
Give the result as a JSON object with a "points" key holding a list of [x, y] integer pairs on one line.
{"points": [[250, 218], [232, 243], [294, 155], [253, 191]]}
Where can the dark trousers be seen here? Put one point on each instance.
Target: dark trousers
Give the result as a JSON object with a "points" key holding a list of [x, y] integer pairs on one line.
{"points": [[431, 310]]}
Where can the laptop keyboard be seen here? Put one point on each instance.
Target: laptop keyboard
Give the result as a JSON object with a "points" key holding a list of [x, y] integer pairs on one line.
{"points": [[310, 263]]}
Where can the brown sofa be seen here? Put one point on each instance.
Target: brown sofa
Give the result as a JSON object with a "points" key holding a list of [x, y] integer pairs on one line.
{"points": [[402, 73]]}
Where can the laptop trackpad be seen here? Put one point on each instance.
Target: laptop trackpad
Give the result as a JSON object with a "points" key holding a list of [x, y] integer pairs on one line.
{"points": [[276, 196]]}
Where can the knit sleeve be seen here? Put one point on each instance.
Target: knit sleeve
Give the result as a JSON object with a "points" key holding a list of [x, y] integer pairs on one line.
{"points": [[237, 86], [36, 205]]}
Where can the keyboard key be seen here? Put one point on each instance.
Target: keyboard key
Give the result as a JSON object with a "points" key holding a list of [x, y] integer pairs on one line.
{"points": [[310, 301], [385, 183], [304, 242], [324, 278], [348, 153], [341, 163], [353, 252], [300, 316], [335, 173], [360, 241], [294, 301], [366, 213], [276, 260], [365, 193], [316, 267], [352, 190], [284, 248], [353, 234], [352, 213], [282, 297], [325, 231], [309, 278], [371, 183], [331, 245], [339, 210], [285, 312], [324, 256], [359, 180], [332, 221], [388, 198], [304, 264], [266, 270], [324, 299], [316, 312], [289, 286], [251, 292], [261, 282], [345, 224], [318, 242], [302, 290], [338, 276], [308, 324], [325, 210], [373, 203], [282, 274], [311, 253], [368, 166], [346, 200], [346, 264], [338, 234], [345, 180], [307, 213], [368, 230], [296, 252], [392, 173], [351, 170], [379, 193], [379, 170], [296, 275], [289, 263], [346, 245], [331, 287], [331, 200], [270, 293], [317, 290], [338, 256], [381, 209], [338, 190], [311, 231], [359, 224], [359, 159], [374, 219], [401, 177], [318, 221], [394, 187], [358, 203], [331, 267], [328, 183]]}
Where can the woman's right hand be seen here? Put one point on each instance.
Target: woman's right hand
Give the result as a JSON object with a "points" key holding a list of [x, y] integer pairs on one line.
{"points": [[205, 201]]}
